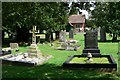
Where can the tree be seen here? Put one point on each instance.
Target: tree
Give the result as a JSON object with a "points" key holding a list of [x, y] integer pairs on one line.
{"points": [[113, 19], [20, 17], [16, 18], [99, 15], [107, 16], [77, 7]]}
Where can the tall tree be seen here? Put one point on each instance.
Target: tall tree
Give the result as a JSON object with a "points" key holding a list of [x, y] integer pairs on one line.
{"points": [[20, 17], [99, 14], [107, 15]]}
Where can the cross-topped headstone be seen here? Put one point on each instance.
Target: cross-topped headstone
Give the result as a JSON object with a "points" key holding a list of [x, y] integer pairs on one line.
{"points": [[33, 34]]}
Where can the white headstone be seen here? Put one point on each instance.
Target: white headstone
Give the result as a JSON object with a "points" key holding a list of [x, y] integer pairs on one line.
{"points": [[14, 46], [62, 36]]}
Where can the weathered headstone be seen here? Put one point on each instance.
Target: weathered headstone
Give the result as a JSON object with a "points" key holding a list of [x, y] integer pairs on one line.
{"points": [[62, 36], [91, 43], [14, 46], [71, 35], [68, 45]]}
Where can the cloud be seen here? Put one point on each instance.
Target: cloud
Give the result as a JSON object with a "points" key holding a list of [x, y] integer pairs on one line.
{"points": [[84, 12]]}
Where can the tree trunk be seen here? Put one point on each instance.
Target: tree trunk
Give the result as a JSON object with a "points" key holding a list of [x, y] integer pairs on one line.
{"points": [[102, 34], [114, 37], [2, 36], [57, 35], [47, 37], [51, 36]]}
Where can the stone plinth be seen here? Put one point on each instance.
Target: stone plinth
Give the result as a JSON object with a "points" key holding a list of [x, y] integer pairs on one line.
{"points": [[33, 51]]}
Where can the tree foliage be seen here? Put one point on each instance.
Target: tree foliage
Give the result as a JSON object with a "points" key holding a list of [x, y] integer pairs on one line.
{"points": [[46, 16], [108, 15]]}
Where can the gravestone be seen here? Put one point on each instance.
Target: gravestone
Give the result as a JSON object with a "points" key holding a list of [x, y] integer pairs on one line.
{"points": [[34, 31], [14, 46], [91, 43], [33, 50], [68, 45], [62, 37], [71, 35]]}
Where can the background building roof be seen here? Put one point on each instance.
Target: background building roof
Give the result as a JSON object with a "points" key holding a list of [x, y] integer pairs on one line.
{"points": [[76, 19]]}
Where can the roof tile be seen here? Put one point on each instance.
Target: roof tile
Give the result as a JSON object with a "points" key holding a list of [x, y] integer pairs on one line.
{"points": [[76, 19]]}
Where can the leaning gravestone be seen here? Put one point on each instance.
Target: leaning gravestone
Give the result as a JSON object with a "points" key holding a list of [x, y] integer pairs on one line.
{"points": [[91, 43], [71, 35], [62, 36]]}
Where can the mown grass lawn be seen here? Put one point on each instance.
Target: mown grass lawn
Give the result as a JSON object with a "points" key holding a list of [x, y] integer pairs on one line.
{"points": [[52, 69]]}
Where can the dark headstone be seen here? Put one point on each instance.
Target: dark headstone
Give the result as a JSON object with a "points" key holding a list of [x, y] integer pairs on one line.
{"points": [[91, 43], [71, 35]]}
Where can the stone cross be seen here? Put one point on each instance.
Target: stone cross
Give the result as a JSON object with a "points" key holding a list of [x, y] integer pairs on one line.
{"points": [[33, 34]]}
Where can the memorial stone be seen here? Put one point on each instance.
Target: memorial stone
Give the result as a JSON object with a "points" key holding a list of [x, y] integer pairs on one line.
{"points": [[33, 49], [14, 46], [62, 36], [71, 35], [91, 43]]}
